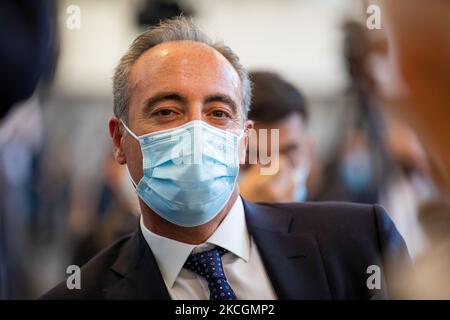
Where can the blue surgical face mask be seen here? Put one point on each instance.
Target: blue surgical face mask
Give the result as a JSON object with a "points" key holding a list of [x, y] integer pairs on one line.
{"points": [[301, 177], [189, 171], [356, 170]]}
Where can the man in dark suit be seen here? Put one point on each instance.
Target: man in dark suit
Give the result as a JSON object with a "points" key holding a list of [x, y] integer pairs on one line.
{"points": [[180, 126]]}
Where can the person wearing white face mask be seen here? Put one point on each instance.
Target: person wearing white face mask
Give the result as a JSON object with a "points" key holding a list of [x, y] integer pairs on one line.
{"points": [[278, 105], [180, 126]]}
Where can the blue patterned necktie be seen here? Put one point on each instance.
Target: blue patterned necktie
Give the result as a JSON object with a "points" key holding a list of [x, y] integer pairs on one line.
{"points": [[208, 265]]}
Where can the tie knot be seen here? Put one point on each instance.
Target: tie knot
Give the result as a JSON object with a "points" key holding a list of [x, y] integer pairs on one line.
{"points": [[207, 264]]}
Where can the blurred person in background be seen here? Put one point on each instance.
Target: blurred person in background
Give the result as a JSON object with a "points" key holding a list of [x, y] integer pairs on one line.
{"points": [[418, 72], [28, 48], [28, 55], [412, 52], [277, 104], [357, 171], [379, 158], [174, 82], [409, 185]]}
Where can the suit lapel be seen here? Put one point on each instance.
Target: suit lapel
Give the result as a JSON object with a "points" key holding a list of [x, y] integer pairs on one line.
{"points": [[292, 260], [139, 273]]}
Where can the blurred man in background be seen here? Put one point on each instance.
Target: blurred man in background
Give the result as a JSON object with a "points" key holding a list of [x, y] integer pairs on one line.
{"points": [[414, 52], [28, 55], [277, 104], [358, 168], [378, 158]]}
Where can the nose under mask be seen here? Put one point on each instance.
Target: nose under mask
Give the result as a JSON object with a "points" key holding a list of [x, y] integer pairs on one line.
{"points": [[189, 172]]}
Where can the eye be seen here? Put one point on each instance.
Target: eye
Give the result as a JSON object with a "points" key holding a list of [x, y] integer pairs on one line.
{"points": [[164, 112], [220, 114]]}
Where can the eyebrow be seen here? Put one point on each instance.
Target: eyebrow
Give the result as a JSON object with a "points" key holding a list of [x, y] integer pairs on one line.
{"points": [[222, 98], [292, 146], [164, 96]]}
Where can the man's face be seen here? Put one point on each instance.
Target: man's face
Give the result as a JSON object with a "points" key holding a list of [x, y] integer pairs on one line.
{"points": [[174, 83], [294, 140], [290, 156]]}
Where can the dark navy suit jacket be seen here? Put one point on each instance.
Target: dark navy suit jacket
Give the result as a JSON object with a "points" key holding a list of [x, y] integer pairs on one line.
{"points": [[309, 250]]}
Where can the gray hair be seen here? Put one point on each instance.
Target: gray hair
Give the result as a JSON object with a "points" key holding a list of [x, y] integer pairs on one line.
{"points": [[176, 29]]}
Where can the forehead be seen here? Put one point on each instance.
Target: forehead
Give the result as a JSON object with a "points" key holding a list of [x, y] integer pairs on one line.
{"points": [[183, 63], [292, 128], [292, 122]]}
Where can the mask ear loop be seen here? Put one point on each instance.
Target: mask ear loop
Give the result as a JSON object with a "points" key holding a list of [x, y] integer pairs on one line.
{"points": [[242, 134], [137, 138], [131, 178], [129, 131]]}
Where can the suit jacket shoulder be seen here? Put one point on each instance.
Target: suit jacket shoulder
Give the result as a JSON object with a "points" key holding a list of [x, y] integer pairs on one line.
{"points": [[349, 241]]}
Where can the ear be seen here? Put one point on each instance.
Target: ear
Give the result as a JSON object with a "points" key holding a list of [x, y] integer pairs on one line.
{"points": [[116, 133]]}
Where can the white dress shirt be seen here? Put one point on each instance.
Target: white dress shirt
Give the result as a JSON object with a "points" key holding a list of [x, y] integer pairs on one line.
{"points": [[242, 265]]}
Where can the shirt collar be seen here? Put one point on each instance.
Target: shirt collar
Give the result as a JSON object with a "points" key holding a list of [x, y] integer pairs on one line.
{"points": [[171, 254]]}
